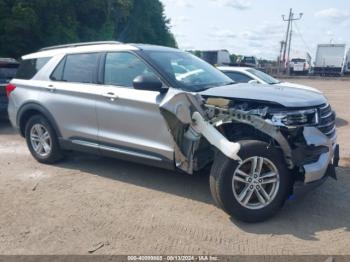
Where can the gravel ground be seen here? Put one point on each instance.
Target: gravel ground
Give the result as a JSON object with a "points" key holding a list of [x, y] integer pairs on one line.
{"points": [[88, 204]]}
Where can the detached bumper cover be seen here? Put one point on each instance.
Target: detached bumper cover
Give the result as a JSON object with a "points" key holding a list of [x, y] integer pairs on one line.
{"points": [[326, 162]]}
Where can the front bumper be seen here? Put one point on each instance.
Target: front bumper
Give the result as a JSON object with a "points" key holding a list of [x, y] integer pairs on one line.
{"points": [[326, 162]]}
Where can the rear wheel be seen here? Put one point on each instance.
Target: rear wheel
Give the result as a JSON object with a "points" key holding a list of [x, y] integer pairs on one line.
{"points": [[255, 189], [42, 140]]}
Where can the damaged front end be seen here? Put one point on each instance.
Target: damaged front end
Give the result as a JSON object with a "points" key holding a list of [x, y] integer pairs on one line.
{"points": [[187, 119], [199, 124]]}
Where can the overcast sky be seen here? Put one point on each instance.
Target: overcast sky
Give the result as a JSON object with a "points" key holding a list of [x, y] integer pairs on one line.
{"points": [[255, 27]]}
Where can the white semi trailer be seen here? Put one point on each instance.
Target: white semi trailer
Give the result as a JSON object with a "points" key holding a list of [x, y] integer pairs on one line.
{"points": [[329, 59], [347, 63], [216, 57]]}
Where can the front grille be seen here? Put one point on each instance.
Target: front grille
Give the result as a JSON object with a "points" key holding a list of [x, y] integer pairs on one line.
{"points": [[326, 123]]}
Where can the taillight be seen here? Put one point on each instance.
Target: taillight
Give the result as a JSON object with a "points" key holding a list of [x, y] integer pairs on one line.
{"points": [[9, 89]]}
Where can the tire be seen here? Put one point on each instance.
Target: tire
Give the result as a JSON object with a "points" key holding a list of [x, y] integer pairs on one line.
{"points": [[48, 155], [226, 191]]}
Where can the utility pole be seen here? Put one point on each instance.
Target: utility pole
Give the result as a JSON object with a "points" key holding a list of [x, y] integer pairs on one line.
{"points": [[282, 43], [288, 40]]}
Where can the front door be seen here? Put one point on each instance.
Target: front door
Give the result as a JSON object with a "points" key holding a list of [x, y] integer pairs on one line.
{"points": [[129, 120]]}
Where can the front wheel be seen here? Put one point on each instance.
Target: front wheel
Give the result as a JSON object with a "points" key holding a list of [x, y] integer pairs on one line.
{"points": [[256, 188]]}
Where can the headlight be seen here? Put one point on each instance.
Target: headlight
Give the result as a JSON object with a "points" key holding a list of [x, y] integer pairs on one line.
{"points": [[296, 118]]}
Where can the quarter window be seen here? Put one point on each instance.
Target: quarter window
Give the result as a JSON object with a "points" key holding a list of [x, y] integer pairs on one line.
{"points": [[29, 67], [122, 68]]}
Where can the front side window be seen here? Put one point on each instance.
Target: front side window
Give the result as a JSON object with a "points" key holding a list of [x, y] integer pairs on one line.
{"points": [[238, 77], [122, 68], [29, 67], [186, 71], [78, 68]]}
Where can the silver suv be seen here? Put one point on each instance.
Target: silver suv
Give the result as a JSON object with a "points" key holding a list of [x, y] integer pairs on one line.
{"points": [[164, 107]]}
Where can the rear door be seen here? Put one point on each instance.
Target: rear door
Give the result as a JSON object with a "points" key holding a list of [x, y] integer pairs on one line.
{"points": [[129, 120], [71, 98]]}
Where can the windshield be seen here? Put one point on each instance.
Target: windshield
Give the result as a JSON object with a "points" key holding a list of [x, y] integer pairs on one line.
{"points": [[265, 77], [187, 71]]}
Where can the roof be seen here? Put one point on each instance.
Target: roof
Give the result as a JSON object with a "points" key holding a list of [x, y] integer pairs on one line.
{"points": [[90, 47], [154, 47]]}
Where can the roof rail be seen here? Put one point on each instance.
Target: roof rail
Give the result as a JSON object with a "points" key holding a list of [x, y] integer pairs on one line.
{"points": [[80, 44]]}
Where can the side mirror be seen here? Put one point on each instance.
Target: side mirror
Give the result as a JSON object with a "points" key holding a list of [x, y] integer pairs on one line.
{"points": [[253, 82], [149, 83]]}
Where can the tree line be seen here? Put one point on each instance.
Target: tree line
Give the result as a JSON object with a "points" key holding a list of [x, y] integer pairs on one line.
{"points": [[28, 25]]}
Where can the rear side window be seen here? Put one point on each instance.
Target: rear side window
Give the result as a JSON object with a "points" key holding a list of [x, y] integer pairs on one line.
{"points": [[77, 68], [29, 67], [57, 74]]}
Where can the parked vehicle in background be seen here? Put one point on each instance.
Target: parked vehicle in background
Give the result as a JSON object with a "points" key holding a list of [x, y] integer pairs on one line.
{"points": [[248, 61], [347, 63], [216, 57], [300, 65], [254, 76], [329, 59], [8, 69], [167, 108]]}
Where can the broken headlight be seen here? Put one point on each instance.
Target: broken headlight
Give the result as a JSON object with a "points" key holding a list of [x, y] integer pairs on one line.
{"points": [[296, 118]]}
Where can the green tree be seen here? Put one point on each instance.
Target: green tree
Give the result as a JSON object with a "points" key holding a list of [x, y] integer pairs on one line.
{"points": [[147, 24], [27, 25]]}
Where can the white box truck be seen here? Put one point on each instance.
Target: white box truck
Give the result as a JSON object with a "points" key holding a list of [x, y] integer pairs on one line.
{"points": [[329, 59], [216, 57], [347, 63]]}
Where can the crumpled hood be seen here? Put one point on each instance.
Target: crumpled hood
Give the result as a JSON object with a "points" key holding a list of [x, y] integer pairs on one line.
{"points": [[283, 95]]}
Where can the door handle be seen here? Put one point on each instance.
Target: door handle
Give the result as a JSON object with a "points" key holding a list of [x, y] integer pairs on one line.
{"points": [[110, 95]]}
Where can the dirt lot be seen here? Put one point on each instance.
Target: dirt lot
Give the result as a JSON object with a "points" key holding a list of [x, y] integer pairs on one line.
{"points": [[88, 202]]}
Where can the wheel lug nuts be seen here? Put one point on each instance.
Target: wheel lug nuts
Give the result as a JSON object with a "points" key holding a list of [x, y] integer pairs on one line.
{"points": [[251, 187], [260, 180]]}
